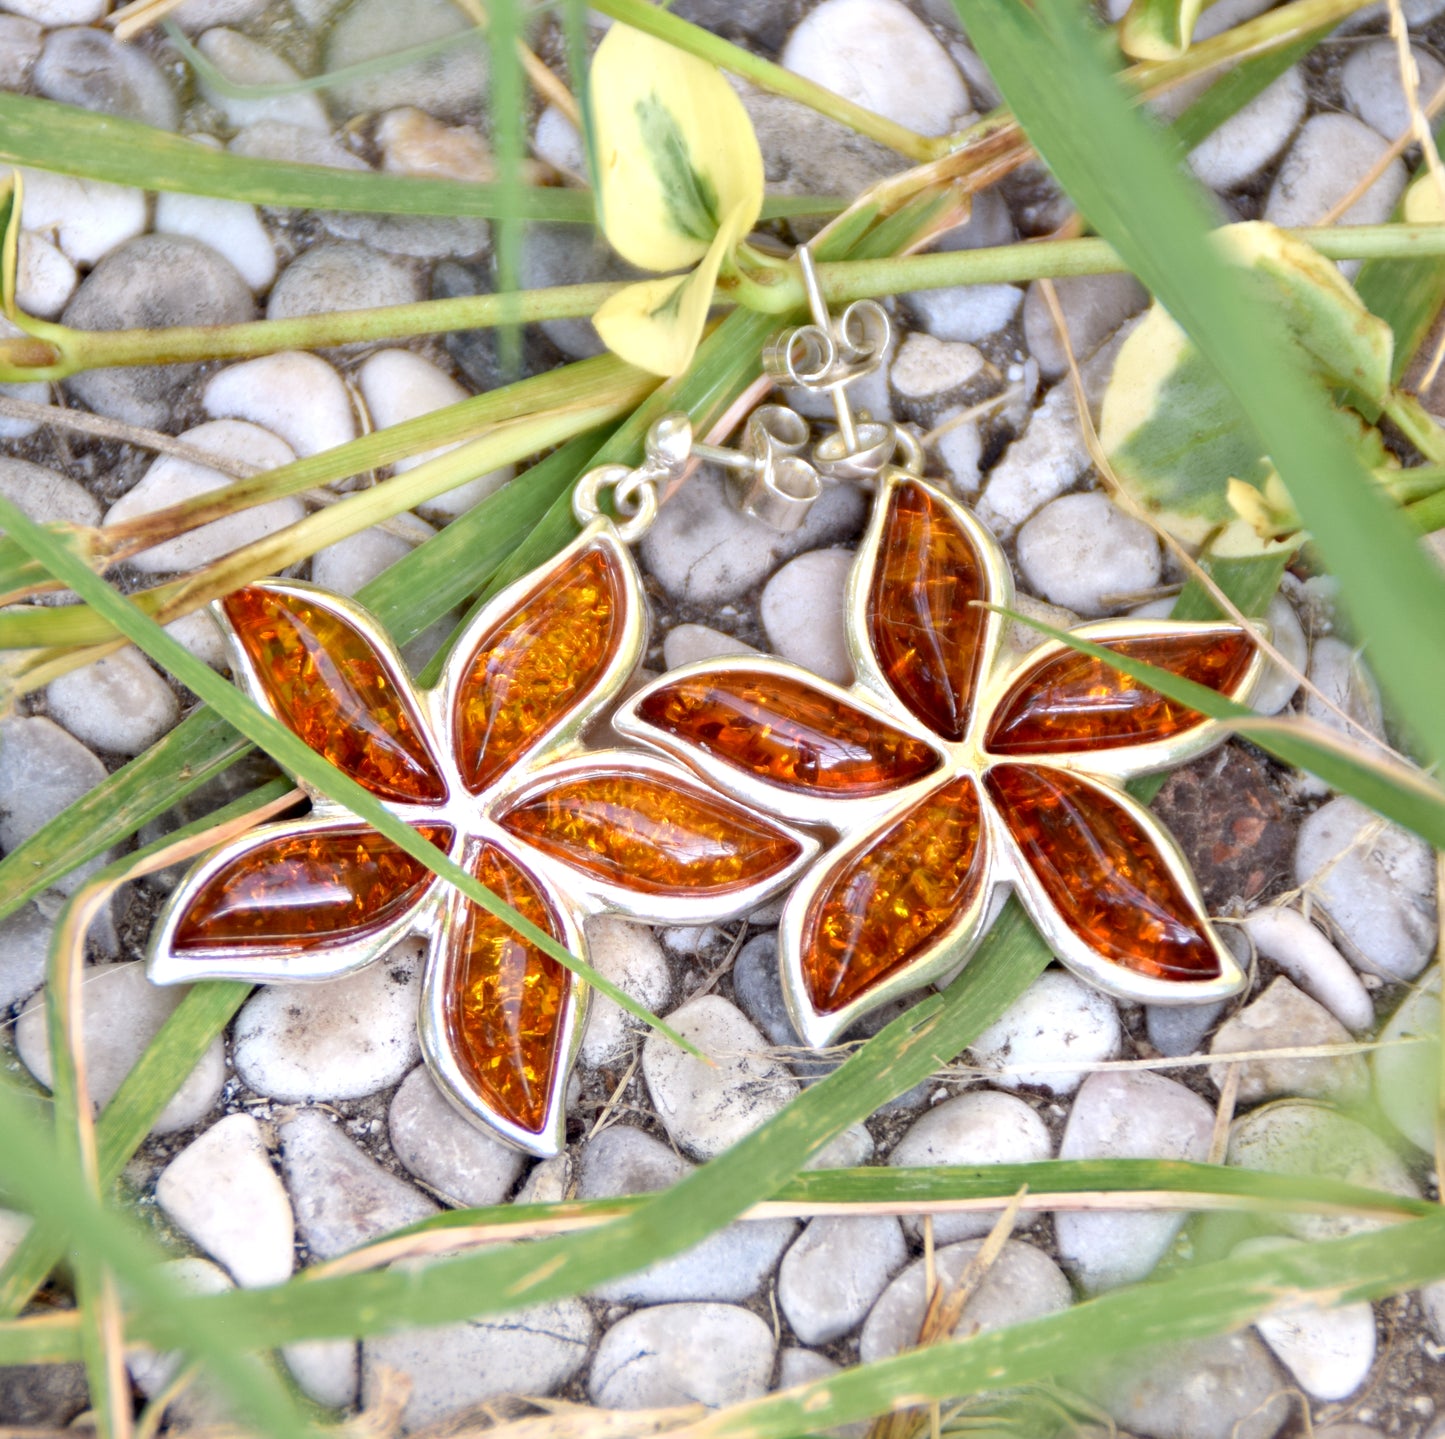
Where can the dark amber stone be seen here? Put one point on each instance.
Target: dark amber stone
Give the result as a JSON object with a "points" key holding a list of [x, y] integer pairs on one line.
{"points": [[927, 633], [504, 997], [1103, 873], [537, 664], [785, 731], [326, 682], [1074, 703], [651, 837], [305, 890], [880, 907]]}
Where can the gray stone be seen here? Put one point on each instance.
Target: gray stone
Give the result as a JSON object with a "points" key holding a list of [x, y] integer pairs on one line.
{"points": [[336, 1040], [221, 1190], [1094, 306], [1022, 1283], [94, 70], [802, 611], [1048, 458], [118, 703], [835, 1270], [526, 1351], [1344, 684], [571, 255], [965, 312], [1250, 138], [1276, 686], [1376, 884], [341, 275], [326, 1370], [683, 644], [45, 495], [1130, 1114], [123, 1012], [24, 948], [1370, 83], [20, 41], [278, 140], [445, 1150], [1179, 1029], [243, 62], [980, 1127], [712, 1354], [352, 563], [342, 1197], [1406, 1072], [1085, 553], [1285, 1018], [759, 989], [48, 1396], [805, 1366], [632, 959], [154, 281]]}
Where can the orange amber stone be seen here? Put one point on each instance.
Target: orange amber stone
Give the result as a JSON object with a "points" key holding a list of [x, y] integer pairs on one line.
{"points": [[650, 837], [537, 665], [882, 905], [1103, 873], [303, 890], [785, 731], [1075, 703], [504, 997], [926, 632], [326, 682]]}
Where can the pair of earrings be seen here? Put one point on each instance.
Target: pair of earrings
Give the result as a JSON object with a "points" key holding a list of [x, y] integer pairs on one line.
{"points": [[899, 809]]}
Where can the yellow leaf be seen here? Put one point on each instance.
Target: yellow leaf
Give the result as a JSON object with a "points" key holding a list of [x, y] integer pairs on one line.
{"points": [[676, 153], [656, 324]]}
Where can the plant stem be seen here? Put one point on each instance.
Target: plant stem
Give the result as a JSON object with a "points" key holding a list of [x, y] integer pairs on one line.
{"points": [[1417, 424]]}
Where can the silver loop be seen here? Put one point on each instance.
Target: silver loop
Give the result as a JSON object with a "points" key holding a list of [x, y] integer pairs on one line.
{"points": [[872, 448], [911, 447], [634, 492]]}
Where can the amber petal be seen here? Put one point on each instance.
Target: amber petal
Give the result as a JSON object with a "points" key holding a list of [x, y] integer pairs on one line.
{"points": [[1102, 872], [326, 681], [788, 732], [304, 889], [926, 631], [1073, 703], [651, 836], [536, 665], [899, 895], [504, 1001]]}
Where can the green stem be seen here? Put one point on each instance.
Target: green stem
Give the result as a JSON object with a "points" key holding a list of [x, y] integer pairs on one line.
{"points": [[1427, 515], [1417, 424], [1406, 487]]}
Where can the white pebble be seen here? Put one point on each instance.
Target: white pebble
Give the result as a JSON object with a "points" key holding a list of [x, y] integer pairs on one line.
{"points": [[44, 280], [198, 632], [20, 42], [37, 393], [337, 1040], [683, 644], [556, 141], [123, 1012], [965, 312], [1047, 459], [1276, 686], [1370, 83], [326, 1370], [170, 480], [1085, 553], [13, 1229], [221, 1190], [1093, 306], [707, 1109], [46, 495], [118, 703], [1343, 684], [292, 394], [926, 368], [339, 275], [802, 611], [1286, 938], [1057, 1018], [86, 218], [835, 1270], [351, 564], [229, 227], [24, 949], [959, 447], [632, 959], [243, 62], [58, 12], [1250, 138]]}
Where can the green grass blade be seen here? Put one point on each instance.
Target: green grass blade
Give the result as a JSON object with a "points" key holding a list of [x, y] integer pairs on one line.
{"points": [[1235, 89]]}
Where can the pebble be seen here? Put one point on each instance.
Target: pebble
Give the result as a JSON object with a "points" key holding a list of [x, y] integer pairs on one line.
{"points": [[1329, 1351], [729, 1266], [1220, 1388], [1343, 682], [230, 227], [1094, 306], [1047, 459], [860, 48], [1179, 1029], [570, 255], [925, 368], [94, 70], [336, 1040], [412, 143], [806, 1366], [24, 949], [759, 989], [1253, 136], [170, 480], [980, 1127], [707, 1109], [341, 275], [531, 1351], [196, 15], [556, 141], [118, 704], [197, 631], [326, 1370], [1085, 553], [1276, 686], [276, 140], [1285, 1018], [1301, 1136], [1287, 939], [802, 613], [444, 1150], [86, 218], [1378, 892], [1128, 1114], [835, 1270], [702, 550], [958, 444], [37, 393], [13, 1229], [712, 1354], [243, 62], [123, 1012], [1406, 1076], [1432, 1300], [352, 563], [1058, 1017], [20, 42], [222, 1191], [157, 281], [48, 1396], [630, 956], [342, 1197], [295, 395], [1370, 85], [44, 279], [685, 644], [46, 496], [1023, 1283], [964, 312], [449, 84]]}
